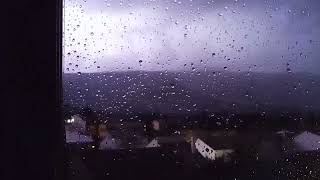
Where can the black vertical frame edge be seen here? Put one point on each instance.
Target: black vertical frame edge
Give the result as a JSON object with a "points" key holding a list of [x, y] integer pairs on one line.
{"points": [[60, 163]]}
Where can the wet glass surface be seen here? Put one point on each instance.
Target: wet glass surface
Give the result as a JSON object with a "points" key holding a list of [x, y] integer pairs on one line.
{"points": [[192, 89]]}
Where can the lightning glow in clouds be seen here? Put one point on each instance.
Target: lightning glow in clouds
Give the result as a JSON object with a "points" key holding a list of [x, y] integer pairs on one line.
{"points": [[178, 35]]}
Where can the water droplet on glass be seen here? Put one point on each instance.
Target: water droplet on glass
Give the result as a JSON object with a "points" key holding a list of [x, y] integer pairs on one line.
{"points": [[288, 70]]}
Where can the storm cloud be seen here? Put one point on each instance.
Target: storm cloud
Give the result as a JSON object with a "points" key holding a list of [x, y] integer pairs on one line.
{"points": [[237, 35]]}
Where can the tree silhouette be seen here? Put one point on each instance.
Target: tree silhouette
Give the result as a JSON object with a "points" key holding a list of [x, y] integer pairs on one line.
{"points": [[89, 115]]}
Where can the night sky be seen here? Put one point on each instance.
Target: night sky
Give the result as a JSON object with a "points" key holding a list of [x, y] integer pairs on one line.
{"points": [[178, 35]]}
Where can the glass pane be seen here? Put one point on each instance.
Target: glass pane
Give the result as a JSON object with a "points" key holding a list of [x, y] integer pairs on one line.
{"points": [[192, 89]]}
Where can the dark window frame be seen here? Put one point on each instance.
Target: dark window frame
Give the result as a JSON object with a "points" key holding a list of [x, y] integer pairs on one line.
{"points": [[33, 131]]}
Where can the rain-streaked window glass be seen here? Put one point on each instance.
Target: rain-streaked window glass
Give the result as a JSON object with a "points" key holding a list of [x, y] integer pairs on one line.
{"points": [[172, 89]]}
